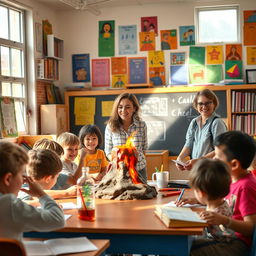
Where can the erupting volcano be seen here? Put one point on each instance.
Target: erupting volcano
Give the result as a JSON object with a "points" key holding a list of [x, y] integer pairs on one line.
{"points": [[122, 181]]}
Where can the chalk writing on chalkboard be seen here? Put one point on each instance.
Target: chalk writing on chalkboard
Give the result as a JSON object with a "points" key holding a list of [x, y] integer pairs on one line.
{"points": [[156, 130], [154, 106]]}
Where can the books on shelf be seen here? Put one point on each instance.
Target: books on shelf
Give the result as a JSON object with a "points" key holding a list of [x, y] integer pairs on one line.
{"points": [[59, 246], [177, 217], [47, 68]]}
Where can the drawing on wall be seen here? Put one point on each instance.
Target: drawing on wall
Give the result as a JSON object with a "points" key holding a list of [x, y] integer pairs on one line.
{"points": [[156, 131], [81, 67], [149, 24], [154, 106], [127, 40], [157, 76], [187, 35], [100, 73], [197, 74], [119, 81], [147, 41], [197, 55], [178, 58], [214, 54], [179, 75], [233, 69], [233, 52], [249, 33], [251, 55], [137, 70], [156, 59], [106, 38], [250, 16], [168, 39], [213, 73], [119, 65]]}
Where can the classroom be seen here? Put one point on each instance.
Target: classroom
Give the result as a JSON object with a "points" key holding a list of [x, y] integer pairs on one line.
{"points": [[65, 62]]}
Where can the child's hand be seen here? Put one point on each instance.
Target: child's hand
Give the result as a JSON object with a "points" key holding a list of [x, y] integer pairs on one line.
{"points": [[214, 218], [71, 191], [83, 153], [185, 200], [34, 189]]}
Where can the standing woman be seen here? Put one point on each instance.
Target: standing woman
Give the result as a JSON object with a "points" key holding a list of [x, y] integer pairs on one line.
{"points": [[123, 122], [202, 130]]}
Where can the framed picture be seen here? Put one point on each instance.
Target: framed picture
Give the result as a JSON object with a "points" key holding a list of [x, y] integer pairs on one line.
{"points": [[250, 76], [81, 67]]}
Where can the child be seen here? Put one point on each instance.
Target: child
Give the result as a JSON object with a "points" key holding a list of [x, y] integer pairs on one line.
{"points": [[70, 171], [90, 139], [205, 173], [253, 167], [237, 150], [44, 167], [16, 216], [49, 144]]}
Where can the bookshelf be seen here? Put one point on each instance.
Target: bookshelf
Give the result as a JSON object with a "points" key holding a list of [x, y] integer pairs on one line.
{"points": [[55, 47]]}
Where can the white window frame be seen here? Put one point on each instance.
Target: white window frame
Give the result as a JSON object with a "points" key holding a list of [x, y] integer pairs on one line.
{"points": [[214, 8]]}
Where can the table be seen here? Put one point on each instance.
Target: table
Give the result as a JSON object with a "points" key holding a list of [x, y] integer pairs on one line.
{"points": [[131, 227]]}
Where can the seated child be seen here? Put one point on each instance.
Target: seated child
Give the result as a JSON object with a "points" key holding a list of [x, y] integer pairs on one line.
{"points": [[16, 216], [43, 167], [93, 157], [49, 144], [204, 174], [253, 167]]}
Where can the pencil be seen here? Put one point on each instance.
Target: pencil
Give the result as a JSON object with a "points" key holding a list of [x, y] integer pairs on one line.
{"points": [[162, 167], [181, 194]]}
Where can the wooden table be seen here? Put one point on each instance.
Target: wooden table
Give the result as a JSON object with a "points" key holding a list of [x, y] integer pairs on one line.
{"points": [[131, 227]]}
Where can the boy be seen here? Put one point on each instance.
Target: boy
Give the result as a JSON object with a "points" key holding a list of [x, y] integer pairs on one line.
{"points": [[49, 144], [44, 167], [237, 150], [16, 216]]}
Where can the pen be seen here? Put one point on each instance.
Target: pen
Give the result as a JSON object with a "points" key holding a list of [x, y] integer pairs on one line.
{"points": [[174, 193], [181, 194], [162, 167], [168, 189]]}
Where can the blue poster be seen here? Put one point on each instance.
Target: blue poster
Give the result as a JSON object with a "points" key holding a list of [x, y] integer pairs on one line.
{"points": [[179, 75], [127, 40], [137, 70], [81, 67]]}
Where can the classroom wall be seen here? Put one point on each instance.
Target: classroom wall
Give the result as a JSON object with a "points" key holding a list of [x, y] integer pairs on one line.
{"points": [[79, 29]]}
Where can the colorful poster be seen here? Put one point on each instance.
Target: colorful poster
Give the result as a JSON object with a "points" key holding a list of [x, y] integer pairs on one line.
{"points": [[233, 69], [250, 16], [197, 55], [233, 52], [187, 35], [47, 30], [127, 40], [156, 58], [81, 67], [251, 55], [196, 74], [178, 58], [147, 41], [119, 81], [119, 65], [249, 33], [100, 73], [157, 76], [106, 108], [137, 70], [168, 39], [149, 24], [106, 38], [213, 74], [179, 75], [214, 54]]}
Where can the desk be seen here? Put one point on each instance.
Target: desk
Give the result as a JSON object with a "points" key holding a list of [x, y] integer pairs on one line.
{"points": [[131, 227]]}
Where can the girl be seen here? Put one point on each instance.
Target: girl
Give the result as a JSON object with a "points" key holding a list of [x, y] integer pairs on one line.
{"points": [[90, 139], [123, 122]]}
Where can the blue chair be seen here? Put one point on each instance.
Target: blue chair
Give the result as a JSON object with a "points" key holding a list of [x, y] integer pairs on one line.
{"points": [[253, 251], [11, 247]]}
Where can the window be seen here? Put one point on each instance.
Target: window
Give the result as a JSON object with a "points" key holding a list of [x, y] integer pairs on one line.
{"points": [[218, 24], [12, 60]]}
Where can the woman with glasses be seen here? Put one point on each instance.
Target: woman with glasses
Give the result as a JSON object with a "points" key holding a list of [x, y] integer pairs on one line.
{"points": [[202, 130]]}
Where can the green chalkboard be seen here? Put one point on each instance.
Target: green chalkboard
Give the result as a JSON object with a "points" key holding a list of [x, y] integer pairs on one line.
{"points": [[167, 115]]}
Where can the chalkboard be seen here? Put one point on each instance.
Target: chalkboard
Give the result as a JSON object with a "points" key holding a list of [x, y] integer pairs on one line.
{"points": [[167, 116]]}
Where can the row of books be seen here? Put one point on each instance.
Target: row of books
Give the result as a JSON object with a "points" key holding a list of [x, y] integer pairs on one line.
{"points": [[47, 68], [25, 145], [243, 101], [53, 95], [245, 123]]}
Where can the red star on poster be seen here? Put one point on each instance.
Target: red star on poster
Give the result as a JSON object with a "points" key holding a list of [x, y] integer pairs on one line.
{"points": [[214, 54]]}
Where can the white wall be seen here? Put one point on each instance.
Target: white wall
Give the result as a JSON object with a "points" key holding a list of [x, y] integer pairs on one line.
{"points": [[79, 29]]}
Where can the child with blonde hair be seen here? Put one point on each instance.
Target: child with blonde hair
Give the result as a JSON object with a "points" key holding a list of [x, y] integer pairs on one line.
{"points": [[49, 144], [16, 216]]}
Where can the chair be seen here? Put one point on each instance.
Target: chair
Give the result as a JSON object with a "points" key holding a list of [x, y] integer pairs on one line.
{"points": [[253, 250], [11, 247]]}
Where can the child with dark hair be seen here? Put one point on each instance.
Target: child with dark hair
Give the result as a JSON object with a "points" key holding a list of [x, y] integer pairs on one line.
{"points": [[90, 140]]}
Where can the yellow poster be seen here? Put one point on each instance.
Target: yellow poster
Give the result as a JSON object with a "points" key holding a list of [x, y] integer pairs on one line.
{"points": [[156, 59], [119, 81], [84, 119], [106, 108], [85, 105], [214, 54], [251, 55]]}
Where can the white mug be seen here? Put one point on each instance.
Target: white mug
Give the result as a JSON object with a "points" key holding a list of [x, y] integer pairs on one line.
{"points": [[161, 179]]}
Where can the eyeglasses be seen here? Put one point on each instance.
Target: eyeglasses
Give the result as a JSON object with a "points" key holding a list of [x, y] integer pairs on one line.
{"points": [[206, 104]]}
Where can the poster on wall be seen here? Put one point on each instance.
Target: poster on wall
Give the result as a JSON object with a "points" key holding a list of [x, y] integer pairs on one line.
{"points": [[47, 30], [197, 74], [147, 41], [156, 59], [213, 74], [233, 69], [149, 24], [179, 75], [214, 54], [119, 81], [250, 16], [137, 70], [81, 67], [168, 39], [197, 55], [106, 38], [178, 58], [233, 52], [127, 40], [249, 33], [251, 55], [187, 35], [100, 73], [157, 76], [119, 65]]}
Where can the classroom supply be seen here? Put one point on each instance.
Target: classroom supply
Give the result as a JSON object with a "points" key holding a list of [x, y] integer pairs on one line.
{"points": [[179, 162], [181, 194], [161, 179], [168, 189], [179, 217], [59, 246], [178, 184], [173, 193]]}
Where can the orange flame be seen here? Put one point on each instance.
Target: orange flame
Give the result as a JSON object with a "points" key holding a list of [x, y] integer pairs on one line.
{"points": [[128, 157]]}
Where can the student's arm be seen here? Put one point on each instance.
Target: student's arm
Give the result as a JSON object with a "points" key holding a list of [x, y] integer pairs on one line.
{"points": [[78, 171], [64, 193], [101, 174]]}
